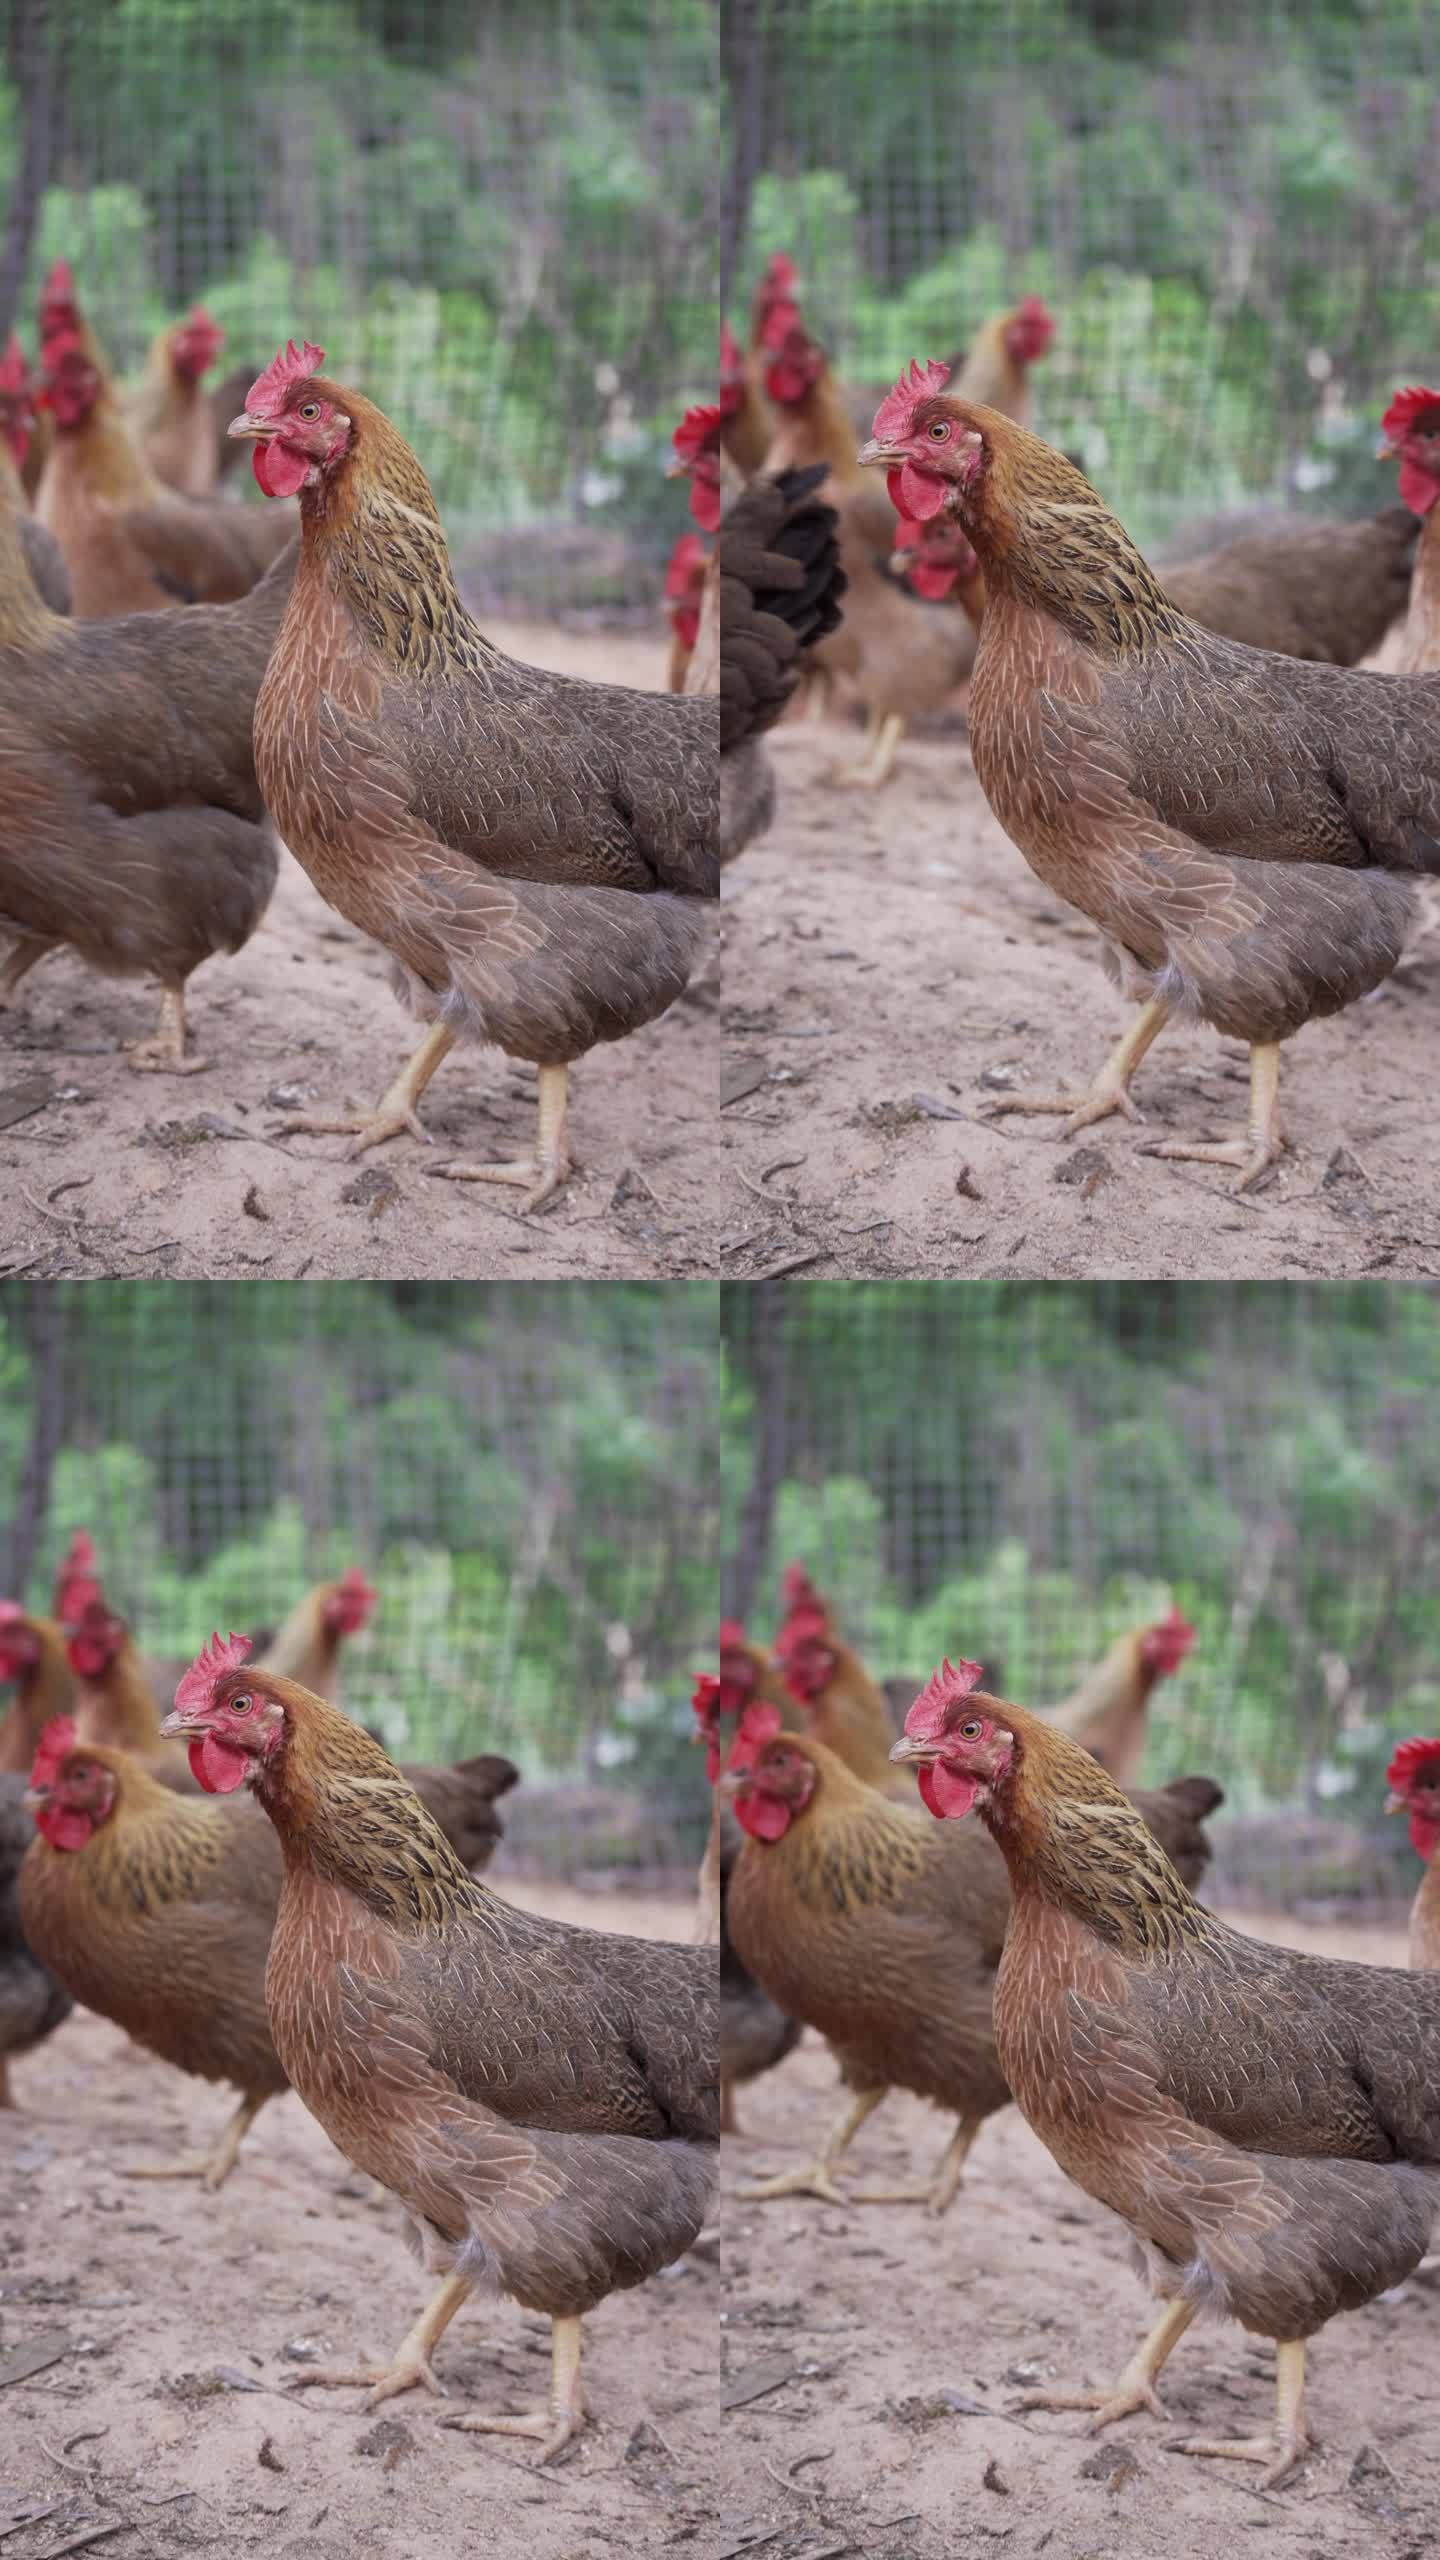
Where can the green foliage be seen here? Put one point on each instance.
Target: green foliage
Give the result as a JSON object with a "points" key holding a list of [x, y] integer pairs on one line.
{"points": [[1019, 1473], [527, 1476]]}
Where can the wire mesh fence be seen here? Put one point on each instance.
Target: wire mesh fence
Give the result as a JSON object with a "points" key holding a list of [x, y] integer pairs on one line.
{"points": [[526, 1475], [1021, 1473], [1233, 211], [500, 223]]}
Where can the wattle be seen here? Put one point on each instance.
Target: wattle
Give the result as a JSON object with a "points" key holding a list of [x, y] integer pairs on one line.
{"points": [[1424, 1835], [63, 1828], [915, 493], [219, 1767], [279, 471], [764, 1817], [933, 577], [1418, 488], [948, 1793]]}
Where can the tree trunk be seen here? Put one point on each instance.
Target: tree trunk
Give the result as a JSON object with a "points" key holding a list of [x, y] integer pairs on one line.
{"points": [[38, 65], [767, 1376]]}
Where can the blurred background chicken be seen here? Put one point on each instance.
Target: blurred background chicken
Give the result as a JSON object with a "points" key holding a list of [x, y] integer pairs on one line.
{"points": [[171, 411], [1413, 1778], [33, 2002]]}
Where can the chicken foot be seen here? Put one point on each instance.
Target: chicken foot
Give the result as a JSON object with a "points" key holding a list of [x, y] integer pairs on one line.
{"points": [[1264, 1141], [395, 1114], [1135, 2388], [410, 2367], [552, 1163], [940, 2191], [215, 2165], [1292, 2437], [876, 762], [565, 2415], [1111, 1089], [164, 1053], [817, 2178]]}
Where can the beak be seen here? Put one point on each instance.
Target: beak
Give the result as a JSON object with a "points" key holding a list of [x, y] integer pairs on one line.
{"points": [[1384, 451], [248, 424], [1394, 1803], [909, 1748], [35, 1799], [874, 451], [676, 471], [729, 1784], [177, 1722]]}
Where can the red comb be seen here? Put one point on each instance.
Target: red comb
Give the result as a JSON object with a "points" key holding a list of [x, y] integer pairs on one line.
{"points": [[1405, 409], [1411, 1757], [221, 1654], [759, 1724], [14, 371], [53, 1749], [270, 389], [61, 278], [892, 418], [934, 1709], [698, 433]]}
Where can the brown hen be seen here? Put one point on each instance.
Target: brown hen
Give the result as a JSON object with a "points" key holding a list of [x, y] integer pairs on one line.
{"points": [[536, 853], [1267, 2123], [1239, 825], [861, 1918], [542, 2099]]}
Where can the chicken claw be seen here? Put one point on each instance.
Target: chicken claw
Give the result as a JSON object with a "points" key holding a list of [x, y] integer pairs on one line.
{"points": [[395, 1114], [409, 2368], [813, 2180], [556, 2426], [1264, 1142], [552, 1163], [215, 2165], [1136, 2386], [1292, 2437], [164, 1053], [1111, 1088]]}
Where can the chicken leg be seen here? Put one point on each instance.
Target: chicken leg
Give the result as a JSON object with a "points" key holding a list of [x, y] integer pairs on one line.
{"points": [[1111, 1088], [876, 762], [940, 2190], [1136, 2386], [1264, 1141], [552, 1163], [215, 2165], [1292, 2437], [164, 1053], [410, 2365], [817, 2178], [566, 2413], [395, 1114]]}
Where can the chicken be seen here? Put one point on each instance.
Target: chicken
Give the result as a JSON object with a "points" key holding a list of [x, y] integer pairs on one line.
{"points": [[781, 582], [1239, 825], [536, 853], [995, 371], [114, 1703], [136, 834], [843, 1707], [905, 655], [542, 2099], [32, 2002], [885, 1935], [1411, 428], [1267, 2123], [156, 1911], [1107, 1713], [1302, 588], [131, 545], [938, 563], [33, 1655], [43, 556], [684, 583], [174, 423], [1413, 1778], [755, 2033], [307, 1647], [745, 424]]}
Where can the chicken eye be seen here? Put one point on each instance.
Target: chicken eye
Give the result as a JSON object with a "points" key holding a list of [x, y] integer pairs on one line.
{"points": [[241, 1706], [971, 1730], [310, 409], [939, 431]]}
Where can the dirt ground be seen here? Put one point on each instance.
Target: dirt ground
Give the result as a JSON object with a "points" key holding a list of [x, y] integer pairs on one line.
{"points": [[888, 2352], [104, 1172], [890, 961], [177, 2319]]}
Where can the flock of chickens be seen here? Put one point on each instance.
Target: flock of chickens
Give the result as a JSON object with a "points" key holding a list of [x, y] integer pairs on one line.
{"points": [[188, 682], [1266, 2123], [1231, 763], [542, 2099]]}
